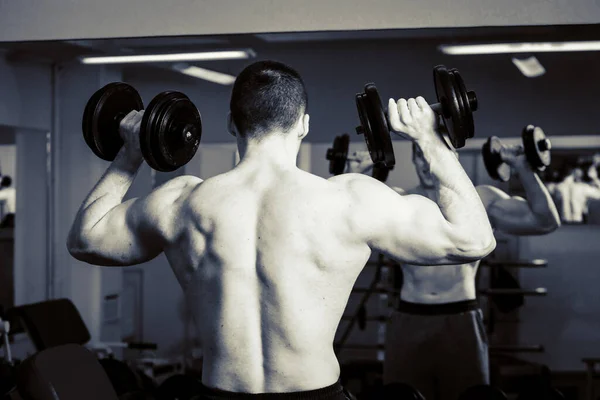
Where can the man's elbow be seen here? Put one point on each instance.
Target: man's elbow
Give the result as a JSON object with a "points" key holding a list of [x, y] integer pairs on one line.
{"points": [[549, 224], [476, 247], [78, 245]]}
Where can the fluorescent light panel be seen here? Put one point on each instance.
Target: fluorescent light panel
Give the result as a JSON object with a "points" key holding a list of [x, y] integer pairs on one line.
{"points": [[503, 48], [176, 57], [530, 67], [206, 74]]}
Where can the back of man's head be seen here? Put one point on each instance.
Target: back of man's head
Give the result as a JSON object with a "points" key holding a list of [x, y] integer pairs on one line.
{"points": [[267, 96], [6, 181]]}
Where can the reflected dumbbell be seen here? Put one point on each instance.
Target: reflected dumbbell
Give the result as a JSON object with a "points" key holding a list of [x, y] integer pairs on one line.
{"points": [[537, 148], [338, 156]]}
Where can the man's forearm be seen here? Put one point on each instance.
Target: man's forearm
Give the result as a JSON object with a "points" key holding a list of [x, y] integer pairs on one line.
{"points": [[457, 198], [537, 195], [108, 192]]}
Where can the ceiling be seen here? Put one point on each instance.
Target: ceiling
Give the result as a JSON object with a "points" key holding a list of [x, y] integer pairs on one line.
{"points": [[64, 51]]}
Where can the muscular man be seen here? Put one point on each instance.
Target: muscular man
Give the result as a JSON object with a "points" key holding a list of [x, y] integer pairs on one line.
{"points": [[267, 254], [573, 194], [436, 340]]}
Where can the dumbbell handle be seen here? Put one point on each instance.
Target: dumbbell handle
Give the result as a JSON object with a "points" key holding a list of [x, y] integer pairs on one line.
{"points": [[437, 108], [544, 145]]}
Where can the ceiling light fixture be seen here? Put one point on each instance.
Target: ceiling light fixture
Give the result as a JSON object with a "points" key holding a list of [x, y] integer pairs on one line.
{"points": [[203, 73], [504, 48], [175, 57]]}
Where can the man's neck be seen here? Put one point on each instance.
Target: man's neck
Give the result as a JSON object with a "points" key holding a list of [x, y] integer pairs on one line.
{"points": [[276, 149]]}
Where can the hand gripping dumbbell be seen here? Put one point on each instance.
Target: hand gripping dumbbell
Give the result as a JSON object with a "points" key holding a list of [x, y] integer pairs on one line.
{"points": [[338, 157], [170, 130], [535, 145], [455, 105]]}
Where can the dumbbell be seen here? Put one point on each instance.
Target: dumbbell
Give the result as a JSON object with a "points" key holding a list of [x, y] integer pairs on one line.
{"points": [[338, 157], [483, 392], [537, 152], [170, 130], [455, 105]]}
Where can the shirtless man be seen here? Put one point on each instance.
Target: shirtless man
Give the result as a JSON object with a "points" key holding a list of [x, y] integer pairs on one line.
{"points": [[573, 194], [267, 254], [436, 340]]}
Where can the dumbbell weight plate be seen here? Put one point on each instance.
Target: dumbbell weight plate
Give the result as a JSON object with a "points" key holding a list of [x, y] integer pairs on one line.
{"points": [[381, 172], [537, 147], [374, 126], [469, 100], [170, 131], [453, 109], [102, 116], [496, 168], [338, 154]]}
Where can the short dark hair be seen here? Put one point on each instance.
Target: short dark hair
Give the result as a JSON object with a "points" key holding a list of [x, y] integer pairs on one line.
{"points": [[6, 181], [267, 96]]}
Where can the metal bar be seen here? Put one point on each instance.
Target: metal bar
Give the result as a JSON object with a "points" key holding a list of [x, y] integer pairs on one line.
{"points": [[518, 348], [535, 263], [514, 292], [380, 318], [52, 149]]}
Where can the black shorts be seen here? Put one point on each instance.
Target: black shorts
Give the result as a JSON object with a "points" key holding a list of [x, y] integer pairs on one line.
{"points": [[332, 392], [439, 349]]}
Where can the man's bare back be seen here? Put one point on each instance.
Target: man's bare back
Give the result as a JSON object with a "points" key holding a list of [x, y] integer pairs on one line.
{"points": [[271, 307]]}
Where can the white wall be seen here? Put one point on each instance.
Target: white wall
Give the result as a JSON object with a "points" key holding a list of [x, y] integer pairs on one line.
{"points": [[66, 19], [8, 161]]}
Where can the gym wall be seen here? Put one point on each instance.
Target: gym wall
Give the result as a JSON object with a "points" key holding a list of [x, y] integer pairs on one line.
{"points": [[334, 74]]}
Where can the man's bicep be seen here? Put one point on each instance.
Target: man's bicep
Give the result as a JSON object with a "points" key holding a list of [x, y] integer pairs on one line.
{"points": [[413, 231], [514, 216]]}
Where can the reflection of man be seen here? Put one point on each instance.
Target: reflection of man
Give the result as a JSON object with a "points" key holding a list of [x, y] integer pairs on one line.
{"points": [[8, 199], [436, 340], [572, 195]]}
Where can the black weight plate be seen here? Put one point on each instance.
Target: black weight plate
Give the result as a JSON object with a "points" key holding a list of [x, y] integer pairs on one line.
{"points": [[102, 115], [338, 154], [380, 127], [381, 172], [537, 147], [455, 124], [330, 156], [445, 92], [483, 392], [171, 131], [365, 125], [154, 111], [468, 101], [344, 148], [461, 124], [496, 168]]}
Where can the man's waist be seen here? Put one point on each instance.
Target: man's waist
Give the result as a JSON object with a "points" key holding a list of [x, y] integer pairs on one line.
{"points": [[455, 307]]}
